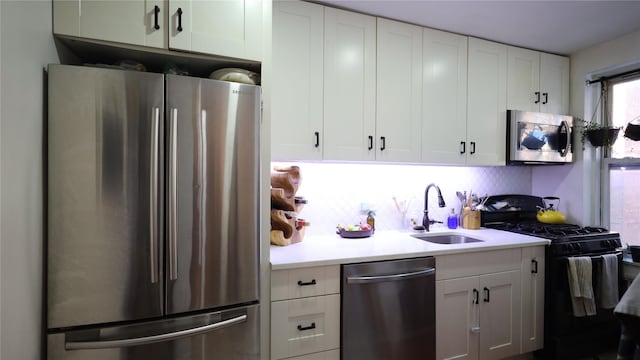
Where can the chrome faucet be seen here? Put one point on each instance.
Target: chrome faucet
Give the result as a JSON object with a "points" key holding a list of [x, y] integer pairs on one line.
{"points": [[425, 219]]}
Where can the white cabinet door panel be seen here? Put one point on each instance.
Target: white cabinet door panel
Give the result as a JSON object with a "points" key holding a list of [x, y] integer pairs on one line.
{"points": [[349, 85], [500, 315], [399, 91], [523, 91], [444, 97], [554, 81], [457, 319], [487, 100], [297, 105]]}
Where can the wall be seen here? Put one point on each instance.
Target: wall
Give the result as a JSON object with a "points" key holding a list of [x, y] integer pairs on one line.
{"points": [[335, 192], [578, 185], [27, 47]]}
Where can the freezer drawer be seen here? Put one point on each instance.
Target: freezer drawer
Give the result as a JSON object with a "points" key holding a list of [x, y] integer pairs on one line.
{"points": [[230, 335], [388, 310]]}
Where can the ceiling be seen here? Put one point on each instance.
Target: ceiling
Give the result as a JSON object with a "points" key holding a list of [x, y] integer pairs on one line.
{"points": [[560, 27]]}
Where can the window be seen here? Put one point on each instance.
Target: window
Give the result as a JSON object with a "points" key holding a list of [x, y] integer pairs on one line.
{"points": [[623, 168]]}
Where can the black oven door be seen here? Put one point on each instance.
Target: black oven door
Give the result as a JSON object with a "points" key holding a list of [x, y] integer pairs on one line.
{"points": [[539, 137], [570, 337]]}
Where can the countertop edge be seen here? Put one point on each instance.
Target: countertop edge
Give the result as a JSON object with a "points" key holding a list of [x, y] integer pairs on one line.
{"points": [[297, 257]]}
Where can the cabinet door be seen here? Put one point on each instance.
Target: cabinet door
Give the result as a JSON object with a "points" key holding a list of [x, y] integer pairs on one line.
{"points": [[444, 97], [554, 82], [129, 22], [296, 100], [523, 79], [500, 315], [457, 318], [399, 91], [533, 264], [487, 100], [349, 85], [230, 28]]}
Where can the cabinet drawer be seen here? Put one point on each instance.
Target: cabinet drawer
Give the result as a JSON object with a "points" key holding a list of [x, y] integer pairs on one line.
{"points": [[305, 282], [305, 326], [324, 355], [477, 263]]}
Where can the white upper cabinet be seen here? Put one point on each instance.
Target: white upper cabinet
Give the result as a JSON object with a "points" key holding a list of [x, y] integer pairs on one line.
{"points": [[486, 103], [399, 92], [444, 97], [132, 22], [349, 85], [537, 81], [226, 27], [231, 28], [296, 101], [554, 81]]}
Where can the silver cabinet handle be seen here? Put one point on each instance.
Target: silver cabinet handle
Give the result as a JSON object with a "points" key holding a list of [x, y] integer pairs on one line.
{"points": [[475, 329], [106, 344], [393, 277], [173, 197], [153, 196]]}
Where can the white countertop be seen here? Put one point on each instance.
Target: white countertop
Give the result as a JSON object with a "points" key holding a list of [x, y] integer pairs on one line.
{"points": [[386, 245]]}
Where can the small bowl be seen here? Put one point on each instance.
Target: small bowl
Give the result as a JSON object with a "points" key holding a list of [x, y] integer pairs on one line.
{"points": [[635, 252]]}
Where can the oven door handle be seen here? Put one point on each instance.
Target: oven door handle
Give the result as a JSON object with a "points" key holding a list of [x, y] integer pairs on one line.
{"points": [[593, 256]]}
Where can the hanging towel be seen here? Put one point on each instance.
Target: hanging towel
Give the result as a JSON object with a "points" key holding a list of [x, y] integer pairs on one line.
{"points": [[630, 302], [580, 286], [608, 282]]}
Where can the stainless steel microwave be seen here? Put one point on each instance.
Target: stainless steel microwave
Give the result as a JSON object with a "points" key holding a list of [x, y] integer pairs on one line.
{"points": [[538, 138]]}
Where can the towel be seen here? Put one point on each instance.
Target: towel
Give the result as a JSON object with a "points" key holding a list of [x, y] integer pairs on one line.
{"points": [[608, 282], [630, 302], [580, 286]]}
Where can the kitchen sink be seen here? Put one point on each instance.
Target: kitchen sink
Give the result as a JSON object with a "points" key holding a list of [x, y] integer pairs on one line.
{"points": [[446, 239]]}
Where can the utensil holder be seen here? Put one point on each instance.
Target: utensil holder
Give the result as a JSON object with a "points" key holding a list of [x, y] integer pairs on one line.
{"points": [[470, 219]]}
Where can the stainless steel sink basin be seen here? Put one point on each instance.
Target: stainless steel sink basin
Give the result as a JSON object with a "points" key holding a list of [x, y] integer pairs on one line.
{"points": [[446, 239]]}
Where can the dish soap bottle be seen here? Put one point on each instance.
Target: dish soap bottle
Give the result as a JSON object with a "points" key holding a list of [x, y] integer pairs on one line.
{"points": [[452, 220], [371, 220]]}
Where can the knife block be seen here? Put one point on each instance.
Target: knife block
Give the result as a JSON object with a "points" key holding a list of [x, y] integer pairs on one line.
{"points": [[470, 219]]}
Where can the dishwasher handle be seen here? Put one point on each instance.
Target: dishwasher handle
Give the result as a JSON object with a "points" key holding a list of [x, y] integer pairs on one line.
{"points": [[392, 277]]}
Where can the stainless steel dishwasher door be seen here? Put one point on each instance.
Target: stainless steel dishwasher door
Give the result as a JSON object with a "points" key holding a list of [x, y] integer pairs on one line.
{"points": [[388, 310]]}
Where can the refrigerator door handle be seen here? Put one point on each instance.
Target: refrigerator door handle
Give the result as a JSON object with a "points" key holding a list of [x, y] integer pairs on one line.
{"points": [[153, 198], [106, 344], [173, 197]]}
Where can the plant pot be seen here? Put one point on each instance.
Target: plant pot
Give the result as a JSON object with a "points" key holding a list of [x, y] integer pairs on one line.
{"points": [[603, 136]]}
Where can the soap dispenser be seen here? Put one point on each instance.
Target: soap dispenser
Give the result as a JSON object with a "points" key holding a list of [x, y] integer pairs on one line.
{"points": [[452, 220]]}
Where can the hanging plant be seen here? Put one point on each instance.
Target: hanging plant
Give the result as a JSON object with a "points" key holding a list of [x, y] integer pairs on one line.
{"points": [[599, 134]]}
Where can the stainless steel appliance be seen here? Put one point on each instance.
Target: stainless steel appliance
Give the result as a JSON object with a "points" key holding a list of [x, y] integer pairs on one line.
{"points": [[388, 310], [538, 138], [565, 336], [153, 231]]}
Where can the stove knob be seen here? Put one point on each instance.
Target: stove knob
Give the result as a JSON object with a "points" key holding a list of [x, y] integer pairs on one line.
{"points": [[605, 243], [579, 246]]}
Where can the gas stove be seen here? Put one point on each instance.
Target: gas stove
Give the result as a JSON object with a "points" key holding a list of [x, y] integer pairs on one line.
{"points": [[566, 239], [517, 213]]}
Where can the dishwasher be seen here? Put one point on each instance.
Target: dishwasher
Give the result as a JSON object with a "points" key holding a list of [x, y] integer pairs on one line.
{"points": [[388, 310]]}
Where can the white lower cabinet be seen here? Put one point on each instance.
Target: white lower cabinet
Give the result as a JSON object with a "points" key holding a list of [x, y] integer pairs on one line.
{"points": [[533, 265], [478, 305], [305, 313]]}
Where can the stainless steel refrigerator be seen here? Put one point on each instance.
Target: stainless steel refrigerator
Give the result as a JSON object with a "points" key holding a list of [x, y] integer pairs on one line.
{"points": [[153, 220]]}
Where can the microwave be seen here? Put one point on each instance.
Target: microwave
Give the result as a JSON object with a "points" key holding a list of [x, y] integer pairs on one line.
{"points": [[535, 138]]}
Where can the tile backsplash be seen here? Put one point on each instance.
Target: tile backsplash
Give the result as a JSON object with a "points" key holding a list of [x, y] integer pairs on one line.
{"points": [[337, 193]]}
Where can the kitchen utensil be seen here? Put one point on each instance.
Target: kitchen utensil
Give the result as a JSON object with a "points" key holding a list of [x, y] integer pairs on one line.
{"points": [[550, 214]]}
